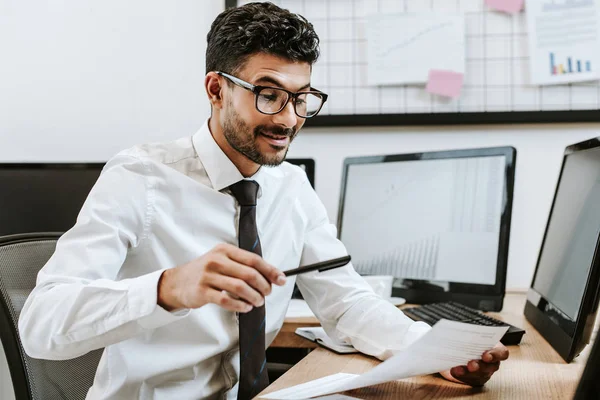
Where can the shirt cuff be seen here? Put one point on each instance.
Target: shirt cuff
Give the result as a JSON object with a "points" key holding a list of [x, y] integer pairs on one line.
{"points": [[143, 305]]}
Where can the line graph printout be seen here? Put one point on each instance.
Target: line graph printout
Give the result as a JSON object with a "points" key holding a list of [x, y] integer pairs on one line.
{"points": [[425, 219], [564, 40], [404, 48]]}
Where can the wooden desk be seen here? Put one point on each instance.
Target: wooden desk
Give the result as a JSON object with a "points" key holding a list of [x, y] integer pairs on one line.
{"points": [[533, 371]]}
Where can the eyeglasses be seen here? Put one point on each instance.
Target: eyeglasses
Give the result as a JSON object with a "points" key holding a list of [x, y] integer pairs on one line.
{"points": [[271, 100]]}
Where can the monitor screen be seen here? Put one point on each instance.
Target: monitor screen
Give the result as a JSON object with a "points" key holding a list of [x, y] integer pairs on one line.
{"points": [[439, 222], [563, 299], [572, 234], [435, 220], [43, 197]]}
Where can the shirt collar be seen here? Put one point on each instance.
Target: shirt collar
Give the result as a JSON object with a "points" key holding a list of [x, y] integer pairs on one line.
{"points": [[221, 172]]}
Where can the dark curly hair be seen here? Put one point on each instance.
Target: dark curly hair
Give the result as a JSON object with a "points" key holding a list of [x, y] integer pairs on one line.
{"points": [[253, 28]]}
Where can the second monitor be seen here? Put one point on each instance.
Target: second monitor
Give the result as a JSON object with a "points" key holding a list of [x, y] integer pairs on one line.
{"points": [[439, 222]]}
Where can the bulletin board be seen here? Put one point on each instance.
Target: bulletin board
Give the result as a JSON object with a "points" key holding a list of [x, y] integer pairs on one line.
{"points": [[495, 90]]}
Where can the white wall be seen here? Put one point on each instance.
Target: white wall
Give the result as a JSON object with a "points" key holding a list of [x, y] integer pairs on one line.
{"points": [[539, 154], [80, 80]]}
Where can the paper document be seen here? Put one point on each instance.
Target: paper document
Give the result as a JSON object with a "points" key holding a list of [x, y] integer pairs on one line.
{"points": [[318, 335], [402, 48], [446, 345], [564, 40]]}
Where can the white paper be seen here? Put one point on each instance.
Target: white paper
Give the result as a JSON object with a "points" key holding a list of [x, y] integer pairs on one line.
{"points": [[318, 334], [402, 48], [312, 388], [446, 345], [564, 40], [298, 309]]}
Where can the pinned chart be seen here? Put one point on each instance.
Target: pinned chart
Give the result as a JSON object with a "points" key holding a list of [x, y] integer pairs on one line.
{"points": [[570, 67], [564, 40], [404, 48]]}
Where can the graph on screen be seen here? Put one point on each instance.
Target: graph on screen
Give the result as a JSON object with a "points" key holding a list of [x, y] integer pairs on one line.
{"points": [[426, 219]]}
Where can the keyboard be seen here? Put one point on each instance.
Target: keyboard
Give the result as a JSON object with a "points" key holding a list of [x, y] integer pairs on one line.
{"points": [[432, 313]]}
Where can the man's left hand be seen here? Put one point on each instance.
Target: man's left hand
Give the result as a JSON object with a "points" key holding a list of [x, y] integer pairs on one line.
{"points": [[478, 372]]}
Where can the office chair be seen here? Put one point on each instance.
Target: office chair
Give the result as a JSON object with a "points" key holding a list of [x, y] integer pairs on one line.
{"points": [[21, 257]]}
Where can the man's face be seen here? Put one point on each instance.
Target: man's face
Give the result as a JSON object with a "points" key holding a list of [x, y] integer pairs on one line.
{"points": [[264, 139]]}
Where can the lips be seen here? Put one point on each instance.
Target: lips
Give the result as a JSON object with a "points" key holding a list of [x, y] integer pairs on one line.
{"points": [[273, 136], [275, 140]]}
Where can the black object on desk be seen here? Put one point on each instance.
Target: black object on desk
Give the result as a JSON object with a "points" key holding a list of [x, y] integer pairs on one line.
{"points": [[432, 313], [562, 302], [589, 384]]}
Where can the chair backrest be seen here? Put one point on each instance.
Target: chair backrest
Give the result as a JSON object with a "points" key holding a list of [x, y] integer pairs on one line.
{"points": [[21, 258]]}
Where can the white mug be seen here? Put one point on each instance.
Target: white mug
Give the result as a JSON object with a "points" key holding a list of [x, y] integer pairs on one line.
{"points": [[381, 284]]}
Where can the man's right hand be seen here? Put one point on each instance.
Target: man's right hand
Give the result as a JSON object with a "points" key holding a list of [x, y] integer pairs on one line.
{"points": [[228, 276]]}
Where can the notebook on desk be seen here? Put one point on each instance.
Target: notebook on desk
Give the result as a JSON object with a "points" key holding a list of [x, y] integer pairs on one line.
{"points": [[319, 336]]}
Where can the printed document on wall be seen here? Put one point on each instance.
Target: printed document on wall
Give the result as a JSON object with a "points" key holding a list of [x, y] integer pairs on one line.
{"points": [[403, 48], [564, 40]]}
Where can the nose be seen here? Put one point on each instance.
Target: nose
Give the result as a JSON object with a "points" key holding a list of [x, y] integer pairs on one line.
{"points": [[286, 117]]}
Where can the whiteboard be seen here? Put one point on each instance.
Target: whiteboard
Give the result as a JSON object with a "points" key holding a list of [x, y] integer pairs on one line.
{"points": [[496, 87]]}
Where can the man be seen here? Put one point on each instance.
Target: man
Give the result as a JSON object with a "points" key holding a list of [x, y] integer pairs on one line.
{"points": [[152, 271]]}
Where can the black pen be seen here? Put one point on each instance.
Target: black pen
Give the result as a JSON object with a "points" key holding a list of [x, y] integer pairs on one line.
{"points": [[320, 266]]}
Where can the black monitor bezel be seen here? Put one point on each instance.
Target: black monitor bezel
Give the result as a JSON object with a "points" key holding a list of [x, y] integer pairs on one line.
{"points": [[567, 336], [480, 296], [56, 166], [51, 165]]}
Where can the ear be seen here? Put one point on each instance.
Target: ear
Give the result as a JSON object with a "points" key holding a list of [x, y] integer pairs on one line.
{"points": [[214, 86]]}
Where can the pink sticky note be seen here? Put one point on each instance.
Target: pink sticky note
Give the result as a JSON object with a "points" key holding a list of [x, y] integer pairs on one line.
{"points": [[445, 83], [508, 6]]}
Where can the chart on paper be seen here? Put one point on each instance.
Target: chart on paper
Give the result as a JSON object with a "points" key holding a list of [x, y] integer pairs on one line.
{"points": [[564, 41], [396, 55]]}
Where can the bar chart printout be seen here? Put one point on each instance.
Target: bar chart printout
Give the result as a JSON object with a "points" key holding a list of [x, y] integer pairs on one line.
{"points": [[564, 39], [570, 67]]}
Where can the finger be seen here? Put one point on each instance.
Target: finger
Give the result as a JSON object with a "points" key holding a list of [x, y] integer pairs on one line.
{"points": [[258, 263], [473, 366], [470, 378], [227, 302], [239, 288], [459, 372], [488, 368], [498, 353], [229, 267]]}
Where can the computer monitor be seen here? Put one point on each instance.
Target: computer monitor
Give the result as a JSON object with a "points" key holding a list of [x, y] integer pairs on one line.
{"points": [[308, 165], [37, 197], [589, 384], [563, 299], [439, 222]]}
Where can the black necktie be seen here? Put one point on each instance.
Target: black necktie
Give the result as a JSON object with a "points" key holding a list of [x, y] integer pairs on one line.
{"points": [[253, 371]]}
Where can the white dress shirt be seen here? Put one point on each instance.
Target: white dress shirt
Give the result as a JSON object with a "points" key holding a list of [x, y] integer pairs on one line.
{"points": [[161, 205]]}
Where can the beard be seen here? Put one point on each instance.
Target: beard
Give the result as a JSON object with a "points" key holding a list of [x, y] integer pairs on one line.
{"points": [[242, 137]]}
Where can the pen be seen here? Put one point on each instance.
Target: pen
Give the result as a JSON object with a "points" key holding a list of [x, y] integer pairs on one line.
{"points": [[320, 266]]}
